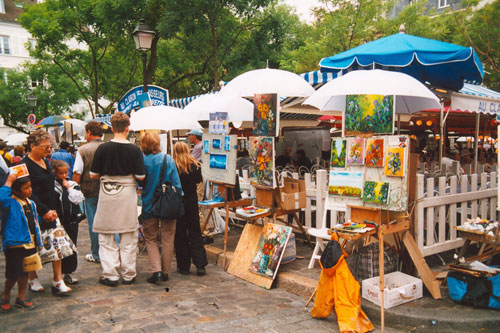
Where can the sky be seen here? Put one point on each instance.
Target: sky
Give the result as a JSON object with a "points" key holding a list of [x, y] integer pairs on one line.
{"points": [[303, 8]]}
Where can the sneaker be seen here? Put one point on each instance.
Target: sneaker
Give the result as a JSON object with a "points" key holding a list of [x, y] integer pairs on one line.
{"points": [[108, 282], [90, 258], [5, 305], [68, 279], [35, 285], [24, 304]]}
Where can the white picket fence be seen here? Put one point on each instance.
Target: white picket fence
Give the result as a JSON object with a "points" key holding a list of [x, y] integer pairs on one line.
{"points": [[440, 205], [444, 204]]}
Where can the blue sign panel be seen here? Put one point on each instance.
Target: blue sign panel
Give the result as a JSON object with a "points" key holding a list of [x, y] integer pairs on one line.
{"points": [[130, 100]]}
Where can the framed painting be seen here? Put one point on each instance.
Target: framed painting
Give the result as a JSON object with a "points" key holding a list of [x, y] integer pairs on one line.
{"points": [[394, 164], [369, 114], [270, 250], [374, 155], [261, 150], [206, 146], [216, 143], [218, 161], [265, 115], [376, 192], [355, 151], [227, 143], [338, 151], [346, 184]]}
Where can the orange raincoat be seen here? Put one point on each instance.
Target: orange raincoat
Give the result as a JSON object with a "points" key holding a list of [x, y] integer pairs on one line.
{"points": [[338, 288]]}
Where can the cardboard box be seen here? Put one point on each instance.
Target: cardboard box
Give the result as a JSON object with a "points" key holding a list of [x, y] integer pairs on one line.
{"points": [[399, 288], [293, 194]]}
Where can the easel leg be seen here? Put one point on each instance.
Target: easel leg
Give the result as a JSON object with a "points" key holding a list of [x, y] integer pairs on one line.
{"points": [[381, 276], [205, 223], [225, 236], [297, 220], [311, 297]]}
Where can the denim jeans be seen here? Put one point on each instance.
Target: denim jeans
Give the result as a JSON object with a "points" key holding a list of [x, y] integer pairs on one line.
{"points": [[90, 209]]}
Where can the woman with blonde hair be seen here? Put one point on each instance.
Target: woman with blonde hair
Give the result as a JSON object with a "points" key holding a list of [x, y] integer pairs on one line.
{"points": [[188, 241], [155, 162]]}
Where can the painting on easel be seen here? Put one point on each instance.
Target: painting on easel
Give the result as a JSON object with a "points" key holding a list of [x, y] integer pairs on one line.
{"points": [[262, 161], [338, 151], [369, 114], [376, 192], [266, 116], [346, 183], [374, 153], [355, 151], [394, 164], [270, 250]]}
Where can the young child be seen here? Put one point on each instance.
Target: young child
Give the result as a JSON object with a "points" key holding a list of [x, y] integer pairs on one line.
{"points": [[21, 237], [69, 197]]}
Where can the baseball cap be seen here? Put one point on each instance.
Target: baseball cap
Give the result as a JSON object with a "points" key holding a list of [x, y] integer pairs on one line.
{"points": [[195, 131]]}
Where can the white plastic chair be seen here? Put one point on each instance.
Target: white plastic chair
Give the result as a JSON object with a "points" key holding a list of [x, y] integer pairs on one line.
{"points": [[321, 233]]}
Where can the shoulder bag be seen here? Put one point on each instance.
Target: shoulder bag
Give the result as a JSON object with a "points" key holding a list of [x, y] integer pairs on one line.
{"points": [[167, 202]]}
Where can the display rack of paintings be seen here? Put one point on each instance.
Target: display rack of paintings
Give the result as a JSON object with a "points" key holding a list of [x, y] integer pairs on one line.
{"points": [[368, 114], [371, 172], [219, 158], [266, 115], [261, 150]]}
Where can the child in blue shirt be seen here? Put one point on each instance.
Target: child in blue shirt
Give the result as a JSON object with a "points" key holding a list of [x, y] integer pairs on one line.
{"points": [[20, 237]]}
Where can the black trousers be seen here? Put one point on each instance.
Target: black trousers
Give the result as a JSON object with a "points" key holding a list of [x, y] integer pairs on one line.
{"points": [[69, 264], [188, 241]]}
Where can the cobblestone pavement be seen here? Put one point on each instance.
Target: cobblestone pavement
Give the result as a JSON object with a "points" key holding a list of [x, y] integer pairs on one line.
{"points": [[216, 302]]}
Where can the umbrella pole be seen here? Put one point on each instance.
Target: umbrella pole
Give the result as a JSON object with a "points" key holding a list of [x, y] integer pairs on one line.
{"points": [[441, 132], [399, 123], [381, 276], [476, 143]]}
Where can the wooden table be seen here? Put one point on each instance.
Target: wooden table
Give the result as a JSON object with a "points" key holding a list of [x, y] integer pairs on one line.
{"points": [[489, 244]]}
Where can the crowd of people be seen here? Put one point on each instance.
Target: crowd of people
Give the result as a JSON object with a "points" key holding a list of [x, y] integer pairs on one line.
{"points": [[103, 178]]}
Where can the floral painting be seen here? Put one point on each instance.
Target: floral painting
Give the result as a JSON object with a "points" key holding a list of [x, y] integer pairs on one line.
{"points": [[376, 192], [346, 184], [338, 153], [394, 164], [369, 114], [270, 250], [355, 151], [262, 161], [374, 153], [265, 116]]}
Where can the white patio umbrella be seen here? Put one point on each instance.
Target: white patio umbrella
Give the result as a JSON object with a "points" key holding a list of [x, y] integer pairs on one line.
{"points": [[78, 125], [238, 109], [268, 81], [16, 139], [163, 117], [410, 95]]}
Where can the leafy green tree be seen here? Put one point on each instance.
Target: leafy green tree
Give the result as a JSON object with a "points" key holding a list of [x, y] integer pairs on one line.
{"points": [[100, 61], [54, 96], [480, 28]]}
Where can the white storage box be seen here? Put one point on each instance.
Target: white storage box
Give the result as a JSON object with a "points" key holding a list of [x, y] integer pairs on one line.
{"points": [[399, 288]]}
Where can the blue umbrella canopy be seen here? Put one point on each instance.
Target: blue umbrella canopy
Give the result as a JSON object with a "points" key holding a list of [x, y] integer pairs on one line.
{"points": [[441, 64]]}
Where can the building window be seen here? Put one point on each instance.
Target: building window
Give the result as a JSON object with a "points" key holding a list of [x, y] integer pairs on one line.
{"points": [[443, 3], [2, 7], [31, 44], [4, 45]]}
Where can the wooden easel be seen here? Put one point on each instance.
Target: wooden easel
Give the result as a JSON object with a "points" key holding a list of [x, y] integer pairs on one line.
{"points": [[222, 187]]}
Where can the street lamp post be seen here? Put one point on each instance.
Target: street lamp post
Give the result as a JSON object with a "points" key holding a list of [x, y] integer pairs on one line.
{"points": [[143, 38], [32, 100]]}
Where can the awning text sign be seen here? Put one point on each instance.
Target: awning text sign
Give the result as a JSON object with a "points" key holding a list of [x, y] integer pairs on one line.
{"points": [[476, 104], [130, 101]]}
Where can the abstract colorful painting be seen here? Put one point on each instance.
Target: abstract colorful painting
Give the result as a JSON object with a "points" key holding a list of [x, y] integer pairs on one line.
{"points": [[265, 115], [374, 153], [394, 164], [355, 151], [346, 184], [338, 153], [376, 192], [369, 114], [270, 250], [261, 151]]}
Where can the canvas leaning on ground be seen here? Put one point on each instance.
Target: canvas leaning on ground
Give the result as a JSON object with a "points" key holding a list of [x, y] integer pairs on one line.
{"points": [[270, 250]]}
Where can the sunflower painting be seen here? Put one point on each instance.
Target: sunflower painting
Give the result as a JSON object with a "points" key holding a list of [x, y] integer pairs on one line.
{"points": [[355, 151], [394, 164], [369, 114], [374, 153], [265, 115], [262, 161], [376, 192], [270, 250], [338, 153]]}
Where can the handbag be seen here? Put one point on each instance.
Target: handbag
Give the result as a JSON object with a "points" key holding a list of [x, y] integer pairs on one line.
{"points": [[167, 202], [56, 244]]}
